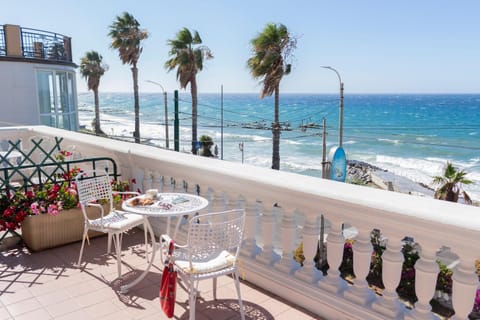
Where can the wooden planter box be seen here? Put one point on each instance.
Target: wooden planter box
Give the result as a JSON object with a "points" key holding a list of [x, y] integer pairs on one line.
{"points": [[45, 231]]}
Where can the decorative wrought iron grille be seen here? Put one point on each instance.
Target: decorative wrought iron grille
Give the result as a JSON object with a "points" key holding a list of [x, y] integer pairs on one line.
{"points": [[40, 164], [45, 45], [3, 47]]}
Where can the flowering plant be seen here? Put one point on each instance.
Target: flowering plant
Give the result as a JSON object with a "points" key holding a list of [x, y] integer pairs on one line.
{"points": [[49, 198], [13, 210], [62, 155], [121, 186]]}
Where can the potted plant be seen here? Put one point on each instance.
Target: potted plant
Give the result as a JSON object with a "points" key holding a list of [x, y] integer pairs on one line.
{"points": [[49, 214]]}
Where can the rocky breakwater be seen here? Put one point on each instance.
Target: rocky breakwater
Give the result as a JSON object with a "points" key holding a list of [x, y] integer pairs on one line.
{"points": [[359, 172], [363, 173]]}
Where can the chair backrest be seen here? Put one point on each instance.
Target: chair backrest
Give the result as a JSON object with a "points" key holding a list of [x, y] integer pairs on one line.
{"points": [[212, 233], [94, 186]]}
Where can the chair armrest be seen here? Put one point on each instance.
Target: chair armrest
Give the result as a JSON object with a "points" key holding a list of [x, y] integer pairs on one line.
{"points": [[165, 239]]}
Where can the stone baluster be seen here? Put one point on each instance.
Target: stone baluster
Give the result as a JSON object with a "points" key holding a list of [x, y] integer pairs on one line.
{"points": [[267, 256], [464, 288], [184, 186], [137, 175], [250, 248], [157, 181], [288, 235], [241, 202], [211, 199], [225, 201], [335, 246], [362, 255], [392, 261], [147, 180], [426, 272], [172, 184], [310, 234]]}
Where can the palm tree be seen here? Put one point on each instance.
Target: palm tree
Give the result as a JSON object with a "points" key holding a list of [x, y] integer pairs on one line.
{"points": [[187, 55], [451, 184], [92, 69], [272, 48], [126, 37]]}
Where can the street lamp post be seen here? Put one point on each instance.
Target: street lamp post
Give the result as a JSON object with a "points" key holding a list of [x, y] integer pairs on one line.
{"points": [[166, 111], [340, 128]]}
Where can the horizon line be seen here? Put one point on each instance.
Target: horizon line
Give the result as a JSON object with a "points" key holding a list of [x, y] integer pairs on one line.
{"points": [[298, 93]]}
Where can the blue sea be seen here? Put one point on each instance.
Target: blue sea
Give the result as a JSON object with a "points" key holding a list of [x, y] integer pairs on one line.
{"points": [[410, 135]]}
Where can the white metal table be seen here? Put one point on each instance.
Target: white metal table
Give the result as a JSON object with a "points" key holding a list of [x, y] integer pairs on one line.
{"points": [[166, 205]]}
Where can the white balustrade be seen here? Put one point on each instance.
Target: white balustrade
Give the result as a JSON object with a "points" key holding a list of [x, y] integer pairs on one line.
{"points": [[362, 257], [426, 273], [335, 246], [288, 236], [464, 288], [270, 241], [392, 260], [310, 232]]}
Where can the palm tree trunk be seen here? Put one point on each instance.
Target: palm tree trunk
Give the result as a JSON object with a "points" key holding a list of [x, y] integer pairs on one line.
{"points": [[97, 111], [136, 133], [276, 132], [193, 90]]}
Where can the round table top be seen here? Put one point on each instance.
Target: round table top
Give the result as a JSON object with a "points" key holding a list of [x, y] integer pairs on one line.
{"points": [[166, 205]]}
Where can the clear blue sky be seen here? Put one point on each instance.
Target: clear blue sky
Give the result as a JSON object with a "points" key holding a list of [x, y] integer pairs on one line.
{"points": [[378, 46]]}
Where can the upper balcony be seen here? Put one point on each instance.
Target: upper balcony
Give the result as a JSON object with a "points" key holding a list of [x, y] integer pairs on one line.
{"points": [[32, 45], [332, 221]]}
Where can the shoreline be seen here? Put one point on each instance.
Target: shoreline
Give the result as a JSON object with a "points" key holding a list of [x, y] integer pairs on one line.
{"points": [[358, 172], [363, 173], [366, 174]]}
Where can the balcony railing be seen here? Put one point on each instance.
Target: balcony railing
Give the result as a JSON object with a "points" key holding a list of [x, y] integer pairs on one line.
{"points": [[3, 48], [17, 42], [285, 209], [45, 45]]}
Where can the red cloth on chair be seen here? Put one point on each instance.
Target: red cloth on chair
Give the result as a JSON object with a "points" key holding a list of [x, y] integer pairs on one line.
{"points": [[168, 286]]}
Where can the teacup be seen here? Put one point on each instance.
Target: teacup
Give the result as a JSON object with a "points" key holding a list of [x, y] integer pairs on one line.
{"points": [[151, 193]]}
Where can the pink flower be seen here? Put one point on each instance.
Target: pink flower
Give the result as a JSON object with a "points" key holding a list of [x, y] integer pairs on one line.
{"points": [[34, 208], [52, 210]]}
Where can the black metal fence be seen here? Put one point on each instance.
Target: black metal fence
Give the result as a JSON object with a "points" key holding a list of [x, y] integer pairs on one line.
{"points": [[40, 164], [3, 47], [40, 44]]}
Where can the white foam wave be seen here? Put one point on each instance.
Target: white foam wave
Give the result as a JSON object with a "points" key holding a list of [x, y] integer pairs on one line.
{"points": [[423, 170], [394, 141]]}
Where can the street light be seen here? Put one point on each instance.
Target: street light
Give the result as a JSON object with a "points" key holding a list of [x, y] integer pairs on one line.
{"points": [[166, 111], [340, 129]]}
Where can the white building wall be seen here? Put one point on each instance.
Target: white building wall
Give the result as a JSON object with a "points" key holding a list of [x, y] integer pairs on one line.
{"points": [[18, 91]]}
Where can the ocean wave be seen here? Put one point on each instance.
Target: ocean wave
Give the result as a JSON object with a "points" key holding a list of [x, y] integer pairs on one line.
{"points": [[394, 141]]}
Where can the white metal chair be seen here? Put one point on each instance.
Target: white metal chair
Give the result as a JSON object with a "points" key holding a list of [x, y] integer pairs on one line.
{"points": [[94, 187], [212, 249]]}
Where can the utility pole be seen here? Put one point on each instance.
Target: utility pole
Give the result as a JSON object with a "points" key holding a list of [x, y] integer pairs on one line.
{"points": [[324, 149], [240, 146], [166, 111], [340, 116], [221, 136], [176, 123]]}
